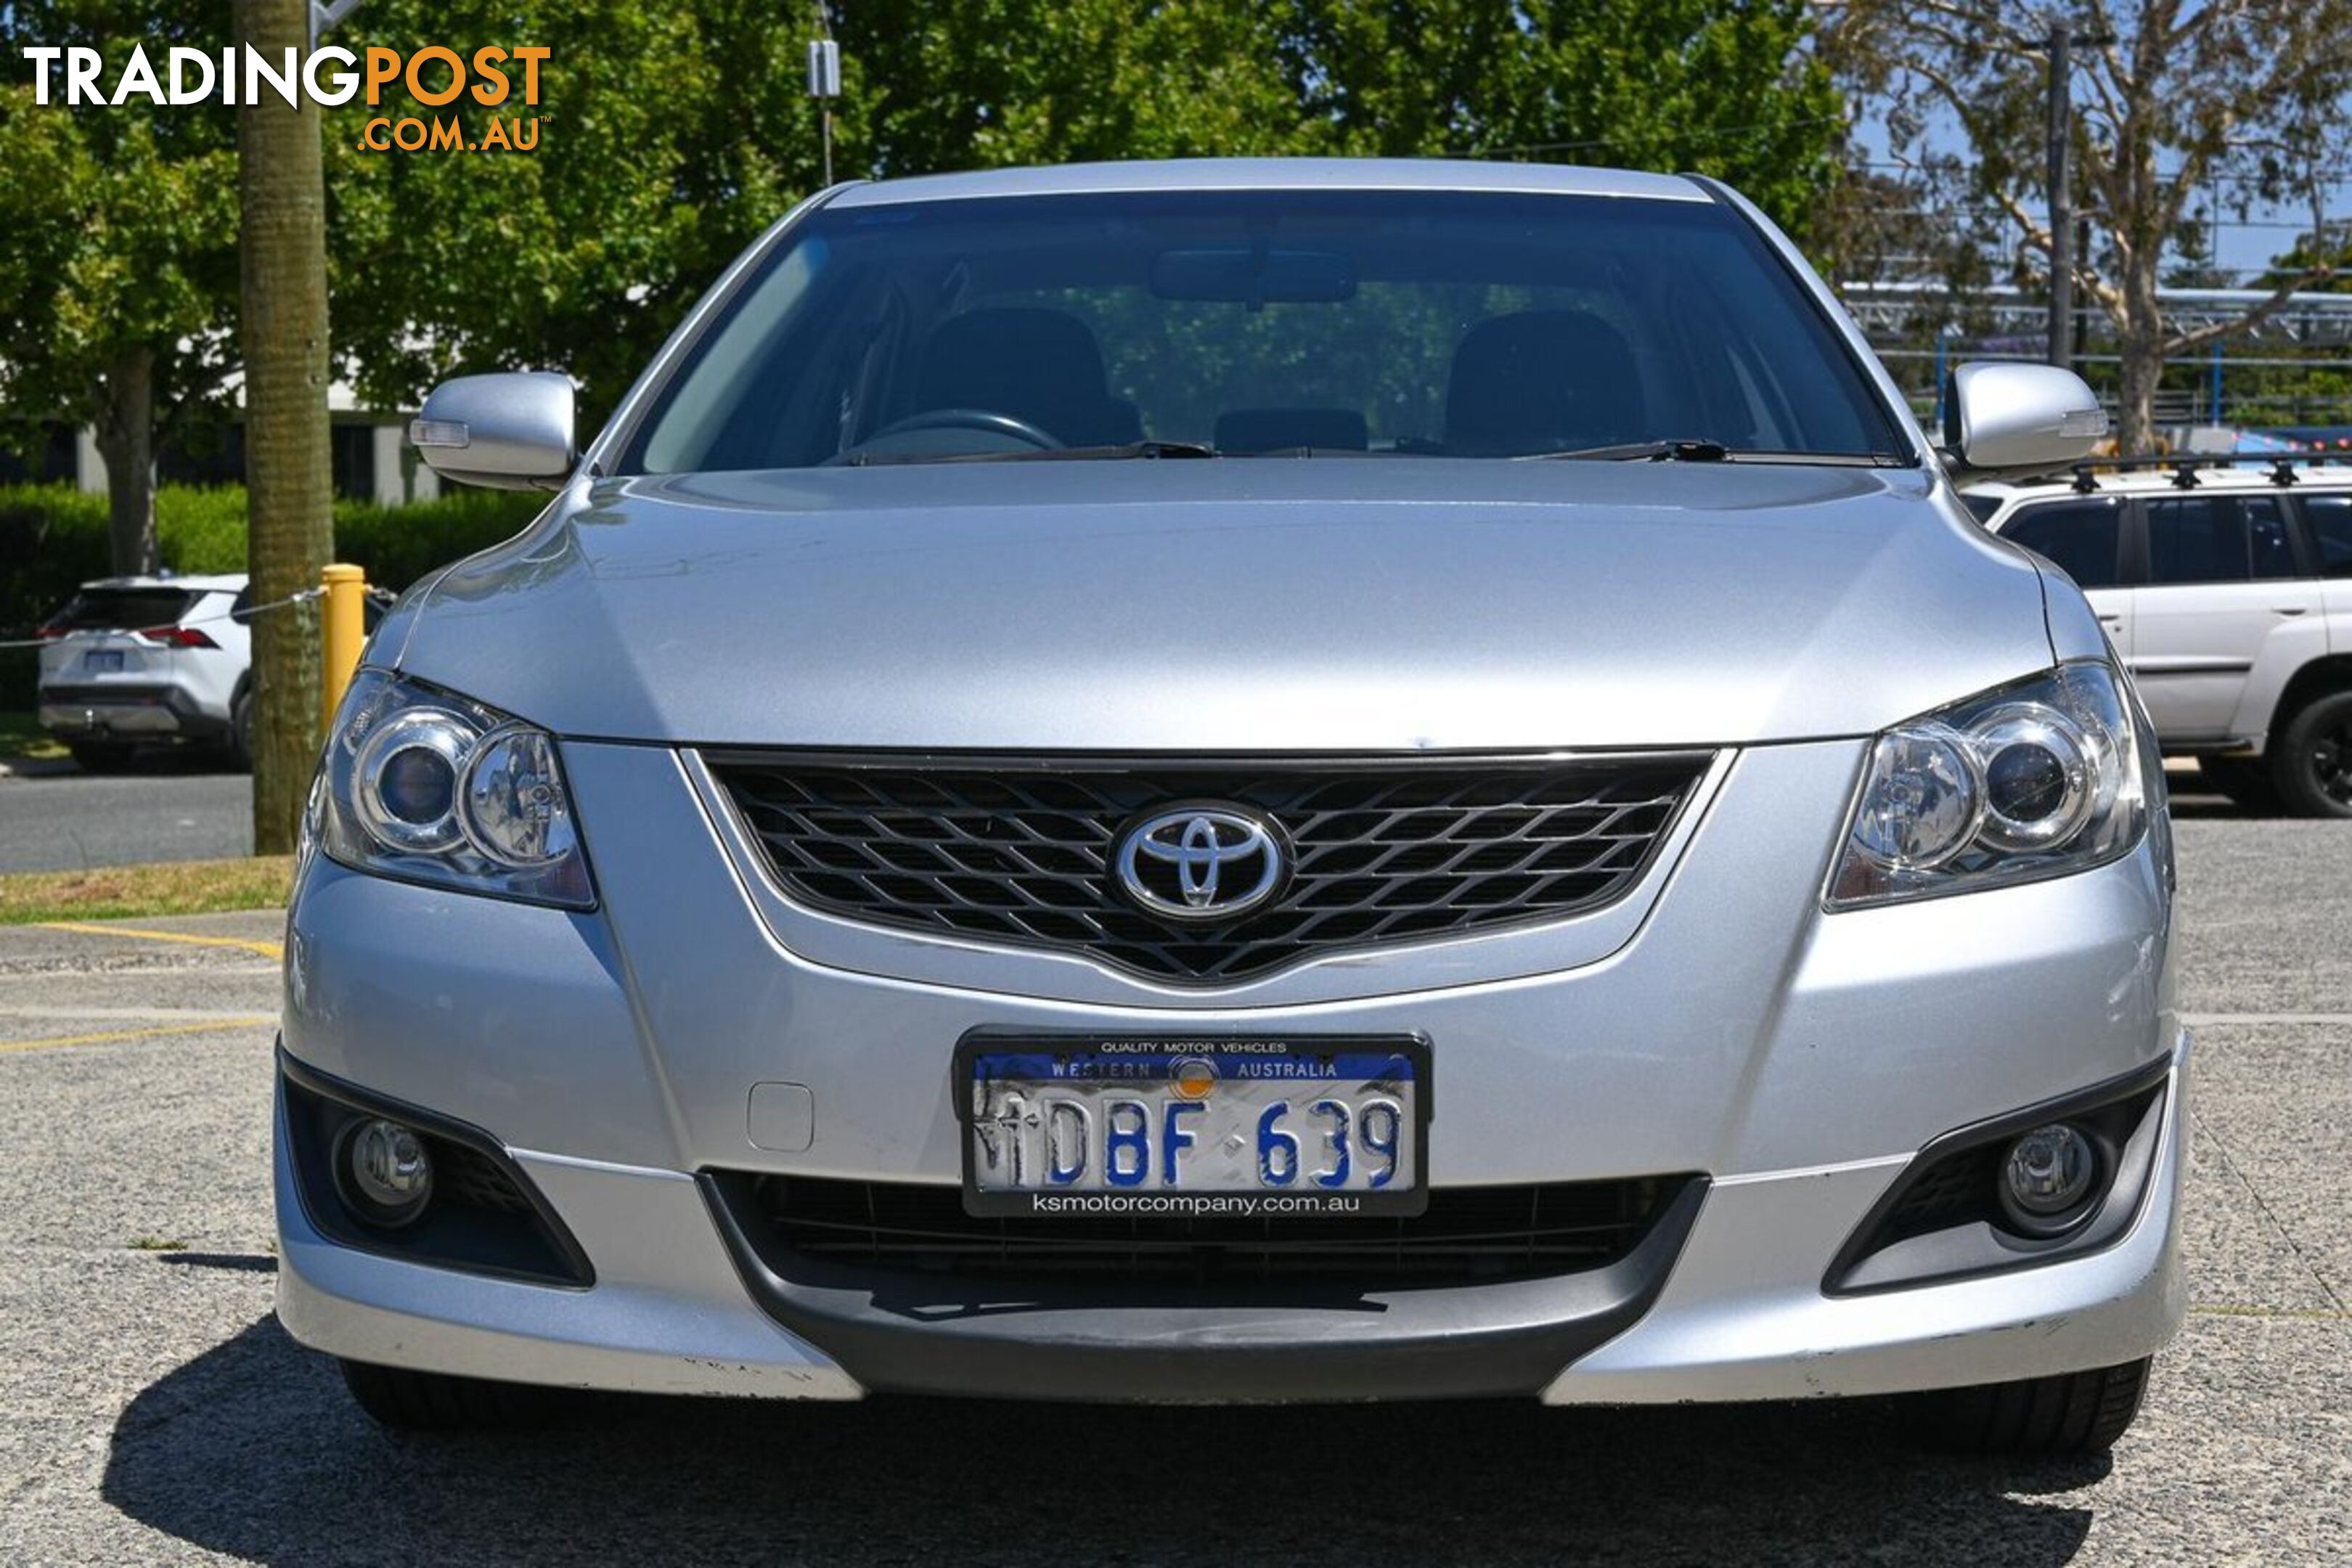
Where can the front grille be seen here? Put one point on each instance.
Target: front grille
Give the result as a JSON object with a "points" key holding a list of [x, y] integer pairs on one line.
{"points": [[1381, 851], [1468, 1234]]}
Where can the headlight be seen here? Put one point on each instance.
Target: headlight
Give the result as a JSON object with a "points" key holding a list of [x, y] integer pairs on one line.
{"points": [[425, 785], [2039, 779]]}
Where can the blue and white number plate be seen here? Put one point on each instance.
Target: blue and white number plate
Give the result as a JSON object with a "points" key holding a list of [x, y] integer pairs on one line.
{"points": [[1119, 1126]]}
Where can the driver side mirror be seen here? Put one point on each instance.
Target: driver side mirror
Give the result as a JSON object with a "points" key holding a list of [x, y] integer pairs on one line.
{"points": [[510, 431], [2006, 417]]}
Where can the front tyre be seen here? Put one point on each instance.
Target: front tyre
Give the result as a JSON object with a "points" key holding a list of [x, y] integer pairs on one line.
{"points": [[2074, 1413], [2311, 760], [406, 1401]]}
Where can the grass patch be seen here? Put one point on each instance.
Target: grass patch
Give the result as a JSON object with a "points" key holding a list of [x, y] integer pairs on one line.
{"points": [[157, 1243], [21, 740], [175, 887]]}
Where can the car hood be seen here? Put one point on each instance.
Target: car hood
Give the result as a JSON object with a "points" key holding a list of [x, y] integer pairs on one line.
{"points": [[1234, 606]]}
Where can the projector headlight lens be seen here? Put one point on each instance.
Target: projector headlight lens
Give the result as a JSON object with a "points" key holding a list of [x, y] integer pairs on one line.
{"points": [[2039, 779], [428, 786]]}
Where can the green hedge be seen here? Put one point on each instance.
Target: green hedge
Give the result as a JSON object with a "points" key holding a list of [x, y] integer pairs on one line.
{"points": [[53, 539]]}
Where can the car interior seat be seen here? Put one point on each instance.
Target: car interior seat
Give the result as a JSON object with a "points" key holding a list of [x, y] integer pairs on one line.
{"points": [[1038, 365], [1542, 381]]}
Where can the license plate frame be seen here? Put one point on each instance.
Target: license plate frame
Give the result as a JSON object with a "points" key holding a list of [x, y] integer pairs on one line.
{"points": [[103, 661], [1404, 1198]]}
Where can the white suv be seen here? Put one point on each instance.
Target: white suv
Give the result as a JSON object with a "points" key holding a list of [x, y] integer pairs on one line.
{"points": [[134, 660], [2228, 591]]}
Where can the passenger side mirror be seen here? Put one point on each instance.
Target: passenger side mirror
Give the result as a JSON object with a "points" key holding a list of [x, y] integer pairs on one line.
{"points": [[2004, 416], [510, 431]]}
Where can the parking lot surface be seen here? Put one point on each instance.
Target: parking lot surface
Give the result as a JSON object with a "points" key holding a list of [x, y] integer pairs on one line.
{"points": [[171, 806], [150, 1410]]}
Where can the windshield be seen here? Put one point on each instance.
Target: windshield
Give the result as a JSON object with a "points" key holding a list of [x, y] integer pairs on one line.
{"points": [[1352, 323]]}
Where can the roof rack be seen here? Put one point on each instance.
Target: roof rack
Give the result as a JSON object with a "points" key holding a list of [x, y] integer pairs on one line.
{"points": [[2185, 466]]}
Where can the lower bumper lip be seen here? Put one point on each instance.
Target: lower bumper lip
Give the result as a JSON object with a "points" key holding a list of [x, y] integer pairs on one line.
{"points": [[1040, 1339]]}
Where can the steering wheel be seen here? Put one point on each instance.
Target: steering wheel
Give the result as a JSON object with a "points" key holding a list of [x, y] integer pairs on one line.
{"points": [[983, 419]]}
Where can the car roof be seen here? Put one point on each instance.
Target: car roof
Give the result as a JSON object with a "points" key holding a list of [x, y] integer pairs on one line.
{"points": [[1275, 174], [2248, 474], [194, 582]]}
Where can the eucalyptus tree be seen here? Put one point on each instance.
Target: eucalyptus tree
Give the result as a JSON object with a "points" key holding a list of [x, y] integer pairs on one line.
{"points": [[2173, 100]]}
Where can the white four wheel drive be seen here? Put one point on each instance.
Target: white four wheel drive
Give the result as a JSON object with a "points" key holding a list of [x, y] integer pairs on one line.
{"points": [[138, 660], [2227, 590]]}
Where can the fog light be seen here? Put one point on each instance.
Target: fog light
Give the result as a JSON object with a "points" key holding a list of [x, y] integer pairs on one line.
{"points": [[387, 1176], [2047, 1177]]}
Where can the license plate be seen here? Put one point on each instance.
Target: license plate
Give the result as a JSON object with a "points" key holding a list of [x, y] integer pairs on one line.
{"points": [[106, 661], [1095, 1126]]}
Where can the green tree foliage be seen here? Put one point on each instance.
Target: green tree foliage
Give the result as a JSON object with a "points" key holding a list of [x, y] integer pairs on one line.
{"points": [[670, 139], [961, 84], [118, 259], [1727, 88]]}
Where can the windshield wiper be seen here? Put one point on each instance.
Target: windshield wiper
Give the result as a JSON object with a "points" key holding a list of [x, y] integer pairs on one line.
{"points": [[1113, 454], [1041, 453], [1332, 452], [1683, 450]]}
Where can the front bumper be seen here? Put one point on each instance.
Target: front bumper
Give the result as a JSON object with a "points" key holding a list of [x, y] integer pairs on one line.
{"points": [[1796, 1061]]}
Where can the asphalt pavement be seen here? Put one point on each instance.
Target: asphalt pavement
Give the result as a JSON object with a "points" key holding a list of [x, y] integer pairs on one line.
{"points": [[151, 1409], [171, 806]]}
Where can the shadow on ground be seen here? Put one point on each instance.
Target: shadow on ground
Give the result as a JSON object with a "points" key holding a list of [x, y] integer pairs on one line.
{"points": [[144, 761], [252, 1449], [2190, 802]]}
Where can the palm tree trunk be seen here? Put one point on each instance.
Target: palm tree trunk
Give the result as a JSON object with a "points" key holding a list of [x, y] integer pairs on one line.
{"points": [[289, 478]]}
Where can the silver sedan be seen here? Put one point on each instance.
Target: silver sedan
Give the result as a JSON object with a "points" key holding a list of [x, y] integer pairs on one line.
{"points": [[1245, 782]]}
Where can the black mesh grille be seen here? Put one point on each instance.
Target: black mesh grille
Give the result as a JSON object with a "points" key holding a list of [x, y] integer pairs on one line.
{"points": [[1467, 1234], [1381, 851], [1952, 1192], [466, 1176]]}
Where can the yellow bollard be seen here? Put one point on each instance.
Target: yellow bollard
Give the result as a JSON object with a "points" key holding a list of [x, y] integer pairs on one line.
{"points": [[345, 632]]}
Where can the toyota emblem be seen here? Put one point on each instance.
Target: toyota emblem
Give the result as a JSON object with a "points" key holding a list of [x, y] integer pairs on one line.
{"points": [[1200, 863]]}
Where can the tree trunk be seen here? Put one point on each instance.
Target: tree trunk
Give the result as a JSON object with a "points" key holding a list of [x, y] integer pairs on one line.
{"points": [[126, 443], [2140, 343], [282, 251], [2142, 368]]}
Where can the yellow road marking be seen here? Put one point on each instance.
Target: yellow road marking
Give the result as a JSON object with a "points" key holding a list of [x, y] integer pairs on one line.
{"points": [[122, 1036], [2321, 1314], [249, 945]]}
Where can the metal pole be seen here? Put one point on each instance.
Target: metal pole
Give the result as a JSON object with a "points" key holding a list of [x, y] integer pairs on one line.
{"points": [[2061, 219], [2082, 312], [1943, 340], [824, 80]]}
